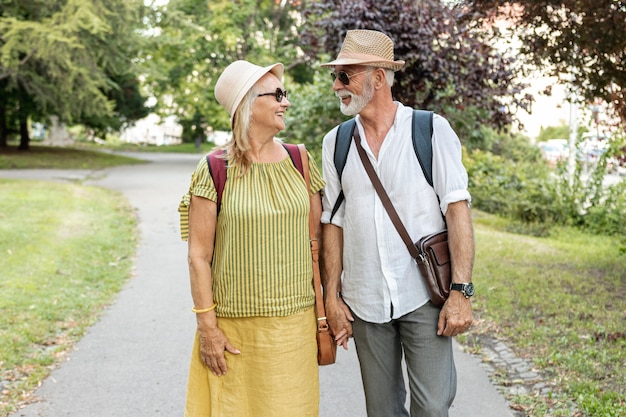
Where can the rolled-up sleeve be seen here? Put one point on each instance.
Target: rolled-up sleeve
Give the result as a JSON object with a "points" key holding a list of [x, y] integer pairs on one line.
{"points": [[450, 179]]}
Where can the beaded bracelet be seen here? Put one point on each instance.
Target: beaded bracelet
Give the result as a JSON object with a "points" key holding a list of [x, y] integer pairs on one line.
{"points": [[204, 310]]}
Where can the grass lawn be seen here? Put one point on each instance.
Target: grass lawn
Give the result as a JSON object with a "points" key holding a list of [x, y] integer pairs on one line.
{"points": [[60, 158], [66, 250], [558, 302]]}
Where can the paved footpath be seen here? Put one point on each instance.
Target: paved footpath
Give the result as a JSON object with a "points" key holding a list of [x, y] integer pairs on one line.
{"points": [[133, 362]]}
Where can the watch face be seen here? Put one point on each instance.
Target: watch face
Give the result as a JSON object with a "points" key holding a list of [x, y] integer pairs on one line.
{"points": [[469, 289]]}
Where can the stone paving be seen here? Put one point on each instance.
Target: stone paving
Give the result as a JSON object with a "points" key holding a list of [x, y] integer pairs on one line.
{"points": [[511, 374]]}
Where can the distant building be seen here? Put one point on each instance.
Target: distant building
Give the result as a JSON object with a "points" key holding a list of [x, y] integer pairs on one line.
{"points": [[153, 130]]}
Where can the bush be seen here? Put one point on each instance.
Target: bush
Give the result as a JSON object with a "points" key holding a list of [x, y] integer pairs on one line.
{"points": [[510, 179]]}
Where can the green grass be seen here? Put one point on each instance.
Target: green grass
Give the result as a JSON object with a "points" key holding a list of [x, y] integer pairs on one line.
{"points": [[120, 146], [66, 250], [560, 301], [60, 158]]}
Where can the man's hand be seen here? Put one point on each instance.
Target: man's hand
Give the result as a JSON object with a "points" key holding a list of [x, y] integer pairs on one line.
{"points": [[456, 315], [340, 321]]}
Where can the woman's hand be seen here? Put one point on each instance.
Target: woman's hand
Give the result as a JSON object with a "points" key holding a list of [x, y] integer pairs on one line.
{"points": [[213, 344], [340, 321]]}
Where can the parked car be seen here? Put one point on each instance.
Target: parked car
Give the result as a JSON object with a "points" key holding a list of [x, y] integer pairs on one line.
{"points": [[554, 150], [591, 148]]}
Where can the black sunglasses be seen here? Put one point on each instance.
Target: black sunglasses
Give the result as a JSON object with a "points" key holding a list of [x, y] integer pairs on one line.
{"points": [[343, 76], [278, 94]]}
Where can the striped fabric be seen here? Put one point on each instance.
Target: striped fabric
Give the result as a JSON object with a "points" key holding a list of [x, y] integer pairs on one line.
{"points": [[262, 261]]}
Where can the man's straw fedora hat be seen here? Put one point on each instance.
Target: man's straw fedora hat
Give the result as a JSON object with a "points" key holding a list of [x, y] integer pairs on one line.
{"points": [[237, 79], [366, 47]]}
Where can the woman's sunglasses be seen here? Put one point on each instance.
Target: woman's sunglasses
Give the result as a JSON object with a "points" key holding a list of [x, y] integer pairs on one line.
{"points": [[278, 94], [343, 76]]}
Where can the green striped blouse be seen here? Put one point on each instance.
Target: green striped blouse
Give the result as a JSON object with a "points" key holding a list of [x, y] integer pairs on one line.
{"points": [[262, 258]]}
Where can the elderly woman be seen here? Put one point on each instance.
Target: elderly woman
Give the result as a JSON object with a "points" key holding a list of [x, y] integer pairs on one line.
{"points": [[255, 351]]}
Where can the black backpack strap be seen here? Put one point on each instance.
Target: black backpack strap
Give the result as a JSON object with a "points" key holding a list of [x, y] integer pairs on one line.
{"points": [[423, 144], [423, 141], [217, 168], [342, 146]]}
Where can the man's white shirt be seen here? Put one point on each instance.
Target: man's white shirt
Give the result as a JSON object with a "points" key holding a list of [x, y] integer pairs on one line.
{"points": [[378, 270]]}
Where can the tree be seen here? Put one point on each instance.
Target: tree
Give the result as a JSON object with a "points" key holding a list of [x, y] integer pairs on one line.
{"points": [[63, 58], [194, 40], [129, 106], [583, 42], [450, 66]]}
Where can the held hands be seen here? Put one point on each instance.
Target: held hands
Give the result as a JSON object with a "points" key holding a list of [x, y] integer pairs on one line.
{"points": [[213, 344], [340, 321], [455, 316]]}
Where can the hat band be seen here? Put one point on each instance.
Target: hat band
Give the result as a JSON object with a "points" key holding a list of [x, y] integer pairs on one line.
{"points": [[363, 57]]}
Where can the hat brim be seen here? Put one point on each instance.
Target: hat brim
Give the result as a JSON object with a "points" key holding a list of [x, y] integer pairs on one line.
{"points": [[392, 65]]}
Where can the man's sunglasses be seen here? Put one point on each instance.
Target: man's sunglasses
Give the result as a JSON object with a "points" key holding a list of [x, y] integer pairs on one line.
{"points": [[278, 94], [343, 76]]}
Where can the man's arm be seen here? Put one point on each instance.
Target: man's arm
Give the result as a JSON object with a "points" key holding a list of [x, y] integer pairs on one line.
{"points": [[337, 312], [456, 314]]}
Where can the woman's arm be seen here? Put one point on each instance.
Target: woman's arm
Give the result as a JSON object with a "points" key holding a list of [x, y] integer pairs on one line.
{"points": [[202, 224]]}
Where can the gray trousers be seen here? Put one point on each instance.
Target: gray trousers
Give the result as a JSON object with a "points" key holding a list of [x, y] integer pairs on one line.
{"points": [[429, 360]]}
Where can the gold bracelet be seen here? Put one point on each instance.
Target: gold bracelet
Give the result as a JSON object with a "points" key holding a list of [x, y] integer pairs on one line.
{"points": [[204, 310]]}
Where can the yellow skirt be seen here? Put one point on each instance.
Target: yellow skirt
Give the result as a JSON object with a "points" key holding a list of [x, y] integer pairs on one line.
{"points": [[276, 373]]}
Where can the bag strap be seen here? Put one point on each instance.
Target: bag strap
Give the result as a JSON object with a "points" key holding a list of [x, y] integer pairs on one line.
{"points": [[218, 166], [384, 198], [317, 282], [422, 132], [296, 157], [342, 146]]}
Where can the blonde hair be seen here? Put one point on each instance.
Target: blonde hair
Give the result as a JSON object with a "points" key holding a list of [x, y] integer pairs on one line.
{"points": [[238, 147]]}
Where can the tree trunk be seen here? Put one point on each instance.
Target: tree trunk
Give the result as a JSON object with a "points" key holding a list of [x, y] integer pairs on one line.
{"points": [[4, 134], [22, 115], [24, 137]]}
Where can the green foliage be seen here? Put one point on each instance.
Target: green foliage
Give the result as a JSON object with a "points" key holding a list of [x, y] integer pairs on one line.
{"points": [[553, 132], [64, 58], [195, 40], [451, 67], [314, 111], [129, 107], [584, 38], [510, 179]]}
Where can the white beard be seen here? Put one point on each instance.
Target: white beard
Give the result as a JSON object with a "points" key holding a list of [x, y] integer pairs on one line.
{"points": [[357, 103]]}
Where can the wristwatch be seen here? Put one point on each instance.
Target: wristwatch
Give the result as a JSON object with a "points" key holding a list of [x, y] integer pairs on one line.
{"points": [[466, 289]]}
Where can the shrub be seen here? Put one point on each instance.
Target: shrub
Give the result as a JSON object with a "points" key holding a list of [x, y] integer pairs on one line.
{"points": [[510, 179]]}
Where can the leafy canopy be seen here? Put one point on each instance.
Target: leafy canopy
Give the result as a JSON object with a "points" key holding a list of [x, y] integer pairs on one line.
{"points": [[64, 58], [584, 42], [450, 66], [194, 40]]}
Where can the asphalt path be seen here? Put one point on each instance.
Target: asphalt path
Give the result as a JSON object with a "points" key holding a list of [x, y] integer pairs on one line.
{"points": [[133, 362]]}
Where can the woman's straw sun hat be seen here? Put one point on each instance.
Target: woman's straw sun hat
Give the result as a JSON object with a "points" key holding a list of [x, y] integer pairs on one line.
{"points": [[366, 47], [237, 79]]}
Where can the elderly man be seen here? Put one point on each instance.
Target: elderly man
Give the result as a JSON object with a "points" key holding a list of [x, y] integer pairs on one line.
{"points": [[374, 290]]}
